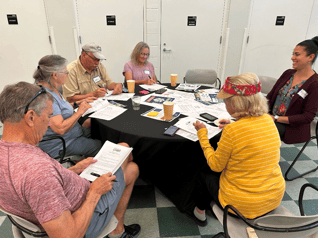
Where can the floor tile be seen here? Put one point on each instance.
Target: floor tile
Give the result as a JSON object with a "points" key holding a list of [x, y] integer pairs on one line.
{"points": [[143, 196], [146, 218], [293, 187], [173, 223], [289, 154], [310, 207], [161, 200], [292, 206]]}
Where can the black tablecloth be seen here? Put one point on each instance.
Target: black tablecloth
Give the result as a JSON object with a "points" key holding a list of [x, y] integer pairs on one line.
{"points": [[170, 163]]}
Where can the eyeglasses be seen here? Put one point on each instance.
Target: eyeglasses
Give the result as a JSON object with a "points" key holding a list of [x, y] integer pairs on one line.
{"points": [[95, 59], [145, 54], [42, 90], [64, 71]]}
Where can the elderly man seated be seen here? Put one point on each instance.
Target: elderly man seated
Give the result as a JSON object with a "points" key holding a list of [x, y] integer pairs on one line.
{"points": [[88, 77], [36, 187]]}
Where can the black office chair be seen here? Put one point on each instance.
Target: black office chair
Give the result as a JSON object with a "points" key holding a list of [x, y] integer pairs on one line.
{"points": [[314, 130], [280, 223]]}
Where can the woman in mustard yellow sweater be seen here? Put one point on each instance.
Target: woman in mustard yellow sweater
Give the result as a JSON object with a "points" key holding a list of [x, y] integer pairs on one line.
{"points": [[247, 156]]}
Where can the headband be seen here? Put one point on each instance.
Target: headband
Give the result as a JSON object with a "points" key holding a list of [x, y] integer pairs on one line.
{"points": [[242, 90]]}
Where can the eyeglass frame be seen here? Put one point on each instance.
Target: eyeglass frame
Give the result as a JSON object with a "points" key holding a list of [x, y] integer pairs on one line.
{"points": [[42, 91], [92, 57], [145, 54]]}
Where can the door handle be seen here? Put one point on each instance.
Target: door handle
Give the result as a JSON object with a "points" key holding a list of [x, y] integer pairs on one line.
{"points": [[166, 50]]}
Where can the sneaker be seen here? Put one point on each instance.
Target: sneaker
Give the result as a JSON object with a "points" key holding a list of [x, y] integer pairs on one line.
{"points": [[195, 219], [131, 231]]}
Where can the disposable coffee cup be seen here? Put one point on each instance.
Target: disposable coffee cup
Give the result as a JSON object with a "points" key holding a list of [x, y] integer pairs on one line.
{"points": [[174, 78], [131, 86], [168, 110], [135, 100]]}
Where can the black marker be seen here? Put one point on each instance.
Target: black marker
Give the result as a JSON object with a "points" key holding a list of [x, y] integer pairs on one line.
{"points": [[97, 175]]}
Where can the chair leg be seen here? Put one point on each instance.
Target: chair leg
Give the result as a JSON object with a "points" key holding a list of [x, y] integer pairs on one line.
{"points": [[291, 166]]}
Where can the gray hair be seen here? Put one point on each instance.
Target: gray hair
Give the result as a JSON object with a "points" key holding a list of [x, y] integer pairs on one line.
{"points": [[136, 52], [46, 66], [247, 106], [15, 97]]}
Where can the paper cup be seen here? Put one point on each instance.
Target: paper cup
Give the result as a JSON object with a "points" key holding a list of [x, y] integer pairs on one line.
{"points": [[168, 110], [174, 78], [131, 86]]}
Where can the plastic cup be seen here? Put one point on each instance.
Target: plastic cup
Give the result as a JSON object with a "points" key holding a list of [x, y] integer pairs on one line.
{"points": [[135, 100], [131, 86], [174, 78], [168, 110]]}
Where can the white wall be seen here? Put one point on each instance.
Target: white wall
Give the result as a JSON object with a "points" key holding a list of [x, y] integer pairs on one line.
{"points": [[237, 22], [152, 32], [61, 20], [61, 17]]}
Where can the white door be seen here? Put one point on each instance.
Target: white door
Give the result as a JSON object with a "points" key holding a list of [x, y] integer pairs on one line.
{"points": [[186, 47], [117, 41], [270, 46], [23, 44]]}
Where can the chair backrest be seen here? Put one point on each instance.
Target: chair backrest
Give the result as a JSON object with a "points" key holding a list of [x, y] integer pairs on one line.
{"points": [[24, 226], [201, 76], [267, 83], [279, 217]]}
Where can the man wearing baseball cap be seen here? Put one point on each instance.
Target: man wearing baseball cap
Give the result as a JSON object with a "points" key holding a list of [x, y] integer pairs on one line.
{"points": [[88, 77]]}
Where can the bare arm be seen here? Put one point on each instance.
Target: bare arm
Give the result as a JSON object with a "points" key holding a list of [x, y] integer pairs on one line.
{"points": [[97, 93], [117, 87], [75, 225], [128, 76], [61, 126]]}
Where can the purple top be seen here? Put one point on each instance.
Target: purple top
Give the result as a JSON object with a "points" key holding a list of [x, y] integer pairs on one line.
{"points": [[139, 73]]}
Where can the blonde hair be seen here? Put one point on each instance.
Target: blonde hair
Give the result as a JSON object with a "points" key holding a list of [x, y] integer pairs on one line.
{"points": [[247, 106], [136, 52]]}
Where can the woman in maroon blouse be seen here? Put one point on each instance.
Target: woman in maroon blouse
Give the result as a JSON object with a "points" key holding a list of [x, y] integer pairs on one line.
{"points": [[293, 101]]}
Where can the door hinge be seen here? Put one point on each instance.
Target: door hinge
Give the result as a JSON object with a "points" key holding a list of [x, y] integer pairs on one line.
{"points": [[220, 39], [248, 38], [50, 40], [80, 39]]}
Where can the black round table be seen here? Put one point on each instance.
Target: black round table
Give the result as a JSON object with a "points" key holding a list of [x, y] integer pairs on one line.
{"points": [[170, 163]]}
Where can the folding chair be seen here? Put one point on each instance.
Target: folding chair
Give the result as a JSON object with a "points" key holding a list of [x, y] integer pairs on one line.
{"points": [[208, 77], [279, 223]]}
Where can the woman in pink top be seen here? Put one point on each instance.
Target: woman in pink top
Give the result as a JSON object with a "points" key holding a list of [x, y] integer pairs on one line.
{"points": [[139, 69]]}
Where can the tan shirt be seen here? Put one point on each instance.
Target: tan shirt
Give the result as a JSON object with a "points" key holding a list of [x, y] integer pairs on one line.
{"points": [[79, 81]]}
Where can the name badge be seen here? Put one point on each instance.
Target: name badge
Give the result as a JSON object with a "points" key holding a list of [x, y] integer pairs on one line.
{"points": [[147, 71], [97, 79], [302, 93]]}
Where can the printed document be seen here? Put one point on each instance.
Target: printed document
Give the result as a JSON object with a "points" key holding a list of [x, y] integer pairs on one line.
{"points": [[109, 159]]}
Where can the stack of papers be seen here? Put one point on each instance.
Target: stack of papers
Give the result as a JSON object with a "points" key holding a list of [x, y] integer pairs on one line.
{"points": [[188, 87], [109, 159], [96, 105], [152, 87], [187, 129], [108, 113]]}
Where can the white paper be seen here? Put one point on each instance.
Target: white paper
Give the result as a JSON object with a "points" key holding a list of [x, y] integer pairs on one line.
{"points": [[108, 113], [152, 87], [96, 105], [187, 135], [121, 97], [109, 159], [187, 125], [188, 86]]}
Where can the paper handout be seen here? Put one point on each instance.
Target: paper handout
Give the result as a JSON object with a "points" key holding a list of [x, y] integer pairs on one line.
{"points": [[109, 159]]}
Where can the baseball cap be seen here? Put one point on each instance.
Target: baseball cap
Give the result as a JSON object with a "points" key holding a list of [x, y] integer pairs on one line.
{"points": [[95, 50]]}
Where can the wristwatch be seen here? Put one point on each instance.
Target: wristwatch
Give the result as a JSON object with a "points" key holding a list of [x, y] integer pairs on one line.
{"points": [[276, 118]]}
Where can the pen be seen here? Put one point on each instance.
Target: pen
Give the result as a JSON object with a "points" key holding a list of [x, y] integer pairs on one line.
{"points": [[97, 175]]}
